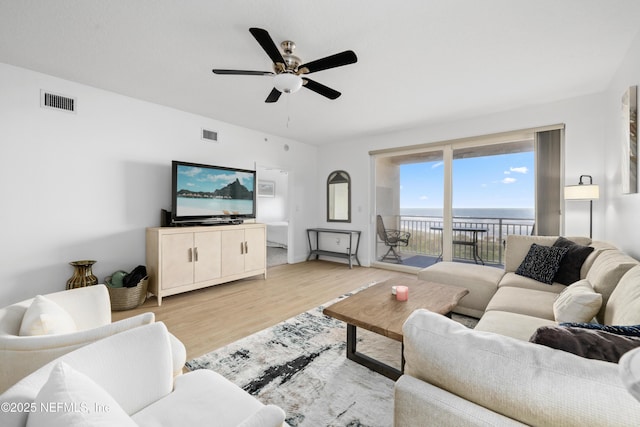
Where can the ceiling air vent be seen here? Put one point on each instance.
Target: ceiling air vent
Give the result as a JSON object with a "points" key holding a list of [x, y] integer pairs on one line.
{"points": [[57, 102], [210, 135]]}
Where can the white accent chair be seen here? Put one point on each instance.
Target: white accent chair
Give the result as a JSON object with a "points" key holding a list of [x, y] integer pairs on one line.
{"points": [[90, 309], [134, 369]]}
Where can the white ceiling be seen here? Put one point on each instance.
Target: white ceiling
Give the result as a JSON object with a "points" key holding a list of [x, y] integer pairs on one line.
{"points": [[419, 61]]}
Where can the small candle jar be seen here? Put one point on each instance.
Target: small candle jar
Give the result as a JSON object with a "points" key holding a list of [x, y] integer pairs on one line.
{"points": [[402, 293]]}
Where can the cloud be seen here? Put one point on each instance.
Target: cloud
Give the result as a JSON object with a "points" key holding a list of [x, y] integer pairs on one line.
{"points": [[521, 169], [437, 165], [424, 197], [508, 180]]}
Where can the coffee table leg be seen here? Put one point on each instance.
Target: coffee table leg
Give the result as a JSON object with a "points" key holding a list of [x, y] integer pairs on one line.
{"points": [[369, 362]]}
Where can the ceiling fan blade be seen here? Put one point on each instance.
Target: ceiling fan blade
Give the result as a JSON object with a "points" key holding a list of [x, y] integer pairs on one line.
{"points": [[320, 88], [339, 59], [265, 40], [243, 72], [273, 96]]}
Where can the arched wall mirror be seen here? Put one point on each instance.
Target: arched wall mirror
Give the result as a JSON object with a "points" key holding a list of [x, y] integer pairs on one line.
{"points": [[339, 197]]}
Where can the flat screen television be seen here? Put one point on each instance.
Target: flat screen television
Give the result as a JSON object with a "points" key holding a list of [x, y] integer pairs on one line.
{"points": [[211, 194]]}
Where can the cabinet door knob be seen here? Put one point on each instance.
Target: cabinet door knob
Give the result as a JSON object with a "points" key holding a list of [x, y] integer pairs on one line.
{"points": [[241, 248], [246, 247], [195, 252], [190, 255]]}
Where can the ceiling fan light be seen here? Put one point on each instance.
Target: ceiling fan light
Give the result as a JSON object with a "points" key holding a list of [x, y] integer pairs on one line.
{"points": [[287, 82]]}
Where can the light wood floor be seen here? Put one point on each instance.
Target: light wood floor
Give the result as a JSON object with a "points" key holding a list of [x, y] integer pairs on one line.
{"points": [[209, 318]]}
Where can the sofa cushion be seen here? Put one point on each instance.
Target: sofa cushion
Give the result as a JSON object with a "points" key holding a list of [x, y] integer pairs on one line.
{"points": [[70, 398], [514, 325], [523, 301], [518, 247], [605, 273], [533, 384], [200, 394], [482, 282], [45, 317], [572, 261], [577, 303], [513, 280], [629, 367], [583, 342], [541, 263], [623, 306]]}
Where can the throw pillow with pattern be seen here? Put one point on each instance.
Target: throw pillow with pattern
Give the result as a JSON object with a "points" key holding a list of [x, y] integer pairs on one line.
{"points": [[541, 263]]}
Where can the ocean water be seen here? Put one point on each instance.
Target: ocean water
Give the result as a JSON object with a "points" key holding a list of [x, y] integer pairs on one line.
{"points": [[505, 213], [193, 207]]}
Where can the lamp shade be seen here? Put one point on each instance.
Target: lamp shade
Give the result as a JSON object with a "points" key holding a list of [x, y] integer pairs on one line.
{"points": [[287, 82], [582, 192]]}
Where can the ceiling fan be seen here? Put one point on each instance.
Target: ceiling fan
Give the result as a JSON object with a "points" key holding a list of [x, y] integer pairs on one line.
{"points": [[287, 67]]}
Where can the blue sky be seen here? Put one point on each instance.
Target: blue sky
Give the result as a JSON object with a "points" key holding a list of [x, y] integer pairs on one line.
{"points": [[205, 179], [503, 181]]}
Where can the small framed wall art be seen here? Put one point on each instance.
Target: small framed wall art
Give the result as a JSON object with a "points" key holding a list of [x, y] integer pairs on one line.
{"points": [[266, 188]]}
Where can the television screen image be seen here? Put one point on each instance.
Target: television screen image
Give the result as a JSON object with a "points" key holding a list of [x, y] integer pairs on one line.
{"points": [[203, 192]]}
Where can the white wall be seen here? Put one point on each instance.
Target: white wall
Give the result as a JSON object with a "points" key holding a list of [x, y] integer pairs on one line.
{"points": [[584, 153], [86, 185], [622, 210]]}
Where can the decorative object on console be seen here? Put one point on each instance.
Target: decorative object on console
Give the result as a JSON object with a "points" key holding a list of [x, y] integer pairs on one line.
{"points": [[82, 274], [584, 191]]}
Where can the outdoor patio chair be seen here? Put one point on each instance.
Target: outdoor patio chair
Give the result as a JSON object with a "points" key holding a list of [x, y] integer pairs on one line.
{"points": [[392, 239]]}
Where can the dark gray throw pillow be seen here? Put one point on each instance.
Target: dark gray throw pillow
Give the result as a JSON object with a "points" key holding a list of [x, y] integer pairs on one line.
{"points": [[571, 263], [541, 263], [588, 343]]}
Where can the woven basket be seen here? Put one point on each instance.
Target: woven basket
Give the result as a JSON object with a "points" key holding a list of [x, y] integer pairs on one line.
{"points": [[127, 298]]}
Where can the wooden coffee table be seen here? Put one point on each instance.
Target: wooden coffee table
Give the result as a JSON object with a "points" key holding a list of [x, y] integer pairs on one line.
{"points": [[377, 310]]}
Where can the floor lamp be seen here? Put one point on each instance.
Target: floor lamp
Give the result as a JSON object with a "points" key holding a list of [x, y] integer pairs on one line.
{"points": [[584, 191]]}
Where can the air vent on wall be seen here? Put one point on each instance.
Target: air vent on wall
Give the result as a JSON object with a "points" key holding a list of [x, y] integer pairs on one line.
{"points": [[57, 102], [210, 135]]}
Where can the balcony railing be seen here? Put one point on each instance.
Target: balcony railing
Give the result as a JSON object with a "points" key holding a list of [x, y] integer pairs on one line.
{"points": [[426, 240]]}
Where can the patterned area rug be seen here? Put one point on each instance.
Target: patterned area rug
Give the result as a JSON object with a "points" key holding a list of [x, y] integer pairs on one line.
{"points": [[300, 365]]}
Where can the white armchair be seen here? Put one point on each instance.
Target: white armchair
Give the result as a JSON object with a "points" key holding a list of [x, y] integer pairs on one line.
{"points": [[90, 309], [129, 375]]}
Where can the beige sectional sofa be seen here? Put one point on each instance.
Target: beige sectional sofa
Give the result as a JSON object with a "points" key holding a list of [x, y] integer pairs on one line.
{"points": [[493, 375]]}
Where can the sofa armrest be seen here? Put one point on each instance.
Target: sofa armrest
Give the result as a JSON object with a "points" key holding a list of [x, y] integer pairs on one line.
{"points": [[267, 416], [26, 354], [530, 383], [416, 401], [134, 367]]}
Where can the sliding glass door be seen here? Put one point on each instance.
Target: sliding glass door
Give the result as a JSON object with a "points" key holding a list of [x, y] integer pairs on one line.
{"points": [[460, 199], [410, 200], [493, 195]]}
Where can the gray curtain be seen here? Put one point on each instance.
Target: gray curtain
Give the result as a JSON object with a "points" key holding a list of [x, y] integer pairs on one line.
{"points": [[548, 149]]}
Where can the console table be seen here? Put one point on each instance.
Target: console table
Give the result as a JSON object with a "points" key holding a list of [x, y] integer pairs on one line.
{"points": [[473, 242], [350, 254]]}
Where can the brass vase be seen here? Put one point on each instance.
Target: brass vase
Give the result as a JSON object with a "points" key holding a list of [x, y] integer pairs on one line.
{"points": [[82, 274]]}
